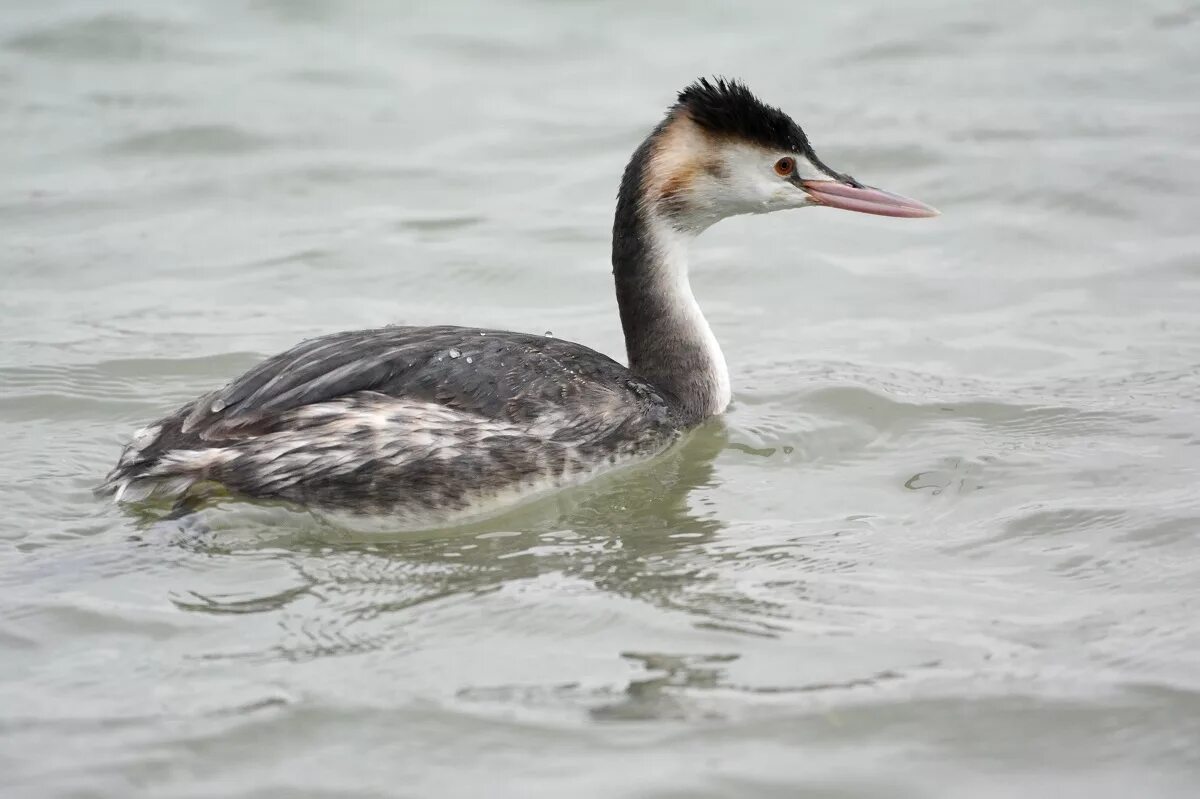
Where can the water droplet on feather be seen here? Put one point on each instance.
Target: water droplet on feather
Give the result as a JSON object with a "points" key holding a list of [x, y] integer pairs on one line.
{"points": [[218, 406], [469, 359], [454, 353]]}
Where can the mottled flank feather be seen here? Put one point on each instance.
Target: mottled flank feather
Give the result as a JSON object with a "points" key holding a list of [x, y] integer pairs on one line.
{"points": [[419, 423]]}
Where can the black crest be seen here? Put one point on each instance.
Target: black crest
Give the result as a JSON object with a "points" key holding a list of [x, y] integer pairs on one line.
{"points": [[728, 108]]}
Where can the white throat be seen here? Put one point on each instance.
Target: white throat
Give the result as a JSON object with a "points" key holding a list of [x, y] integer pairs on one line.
{"points": [[685, 323]]}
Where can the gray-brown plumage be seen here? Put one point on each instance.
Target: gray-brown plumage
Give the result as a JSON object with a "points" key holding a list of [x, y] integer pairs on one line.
{"points": [[430, 424], [417, 421]]}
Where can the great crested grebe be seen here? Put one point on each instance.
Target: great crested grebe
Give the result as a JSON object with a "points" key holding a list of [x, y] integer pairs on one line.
{"points": [[430, 424]]}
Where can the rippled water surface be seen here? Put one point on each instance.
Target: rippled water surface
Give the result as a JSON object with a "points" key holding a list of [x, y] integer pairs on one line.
{"points": [[944, 544]]}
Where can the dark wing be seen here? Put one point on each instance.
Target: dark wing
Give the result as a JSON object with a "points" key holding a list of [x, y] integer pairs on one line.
{"points": [[494, 374]]}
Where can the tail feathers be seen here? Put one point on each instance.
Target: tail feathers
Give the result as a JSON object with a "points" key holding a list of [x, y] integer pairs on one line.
{"points": [[141, 489], [168, 477]]}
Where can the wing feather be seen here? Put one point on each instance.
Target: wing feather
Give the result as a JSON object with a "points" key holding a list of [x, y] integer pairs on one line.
{"points": [[488, 375]]}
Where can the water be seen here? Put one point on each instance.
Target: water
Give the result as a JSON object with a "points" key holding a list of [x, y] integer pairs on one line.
{"points": [[945, 543]]}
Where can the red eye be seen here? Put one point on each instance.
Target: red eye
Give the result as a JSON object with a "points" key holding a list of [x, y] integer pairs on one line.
{"points": [[785, 167]]}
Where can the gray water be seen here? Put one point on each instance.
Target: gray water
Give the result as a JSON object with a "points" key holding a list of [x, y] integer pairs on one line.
{"points": [[946, 543]]}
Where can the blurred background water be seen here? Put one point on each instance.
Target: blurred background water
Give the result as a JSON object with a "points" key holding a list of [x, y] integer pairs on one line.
{"points": [[945, 543]]}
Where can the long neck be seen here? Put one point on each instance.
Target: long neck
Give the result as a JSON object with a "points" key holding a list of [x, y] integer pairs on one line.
{"points": [[667, 338]]}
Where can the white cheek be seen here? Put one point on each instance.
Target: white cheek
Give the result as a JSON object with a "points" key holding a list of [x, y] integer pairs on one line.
{"points": [[763, 192], [756, 193], [752, 187], [788, 196]]}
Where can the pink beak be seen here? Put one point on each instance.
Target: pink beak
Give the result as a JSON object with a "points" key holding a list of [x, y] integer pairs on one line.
{"points": [[865, 199]]}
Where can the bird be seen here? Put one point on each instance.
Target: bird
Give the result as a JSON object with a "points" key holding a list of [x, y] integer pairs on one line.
{"points": [[431, 426]]}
